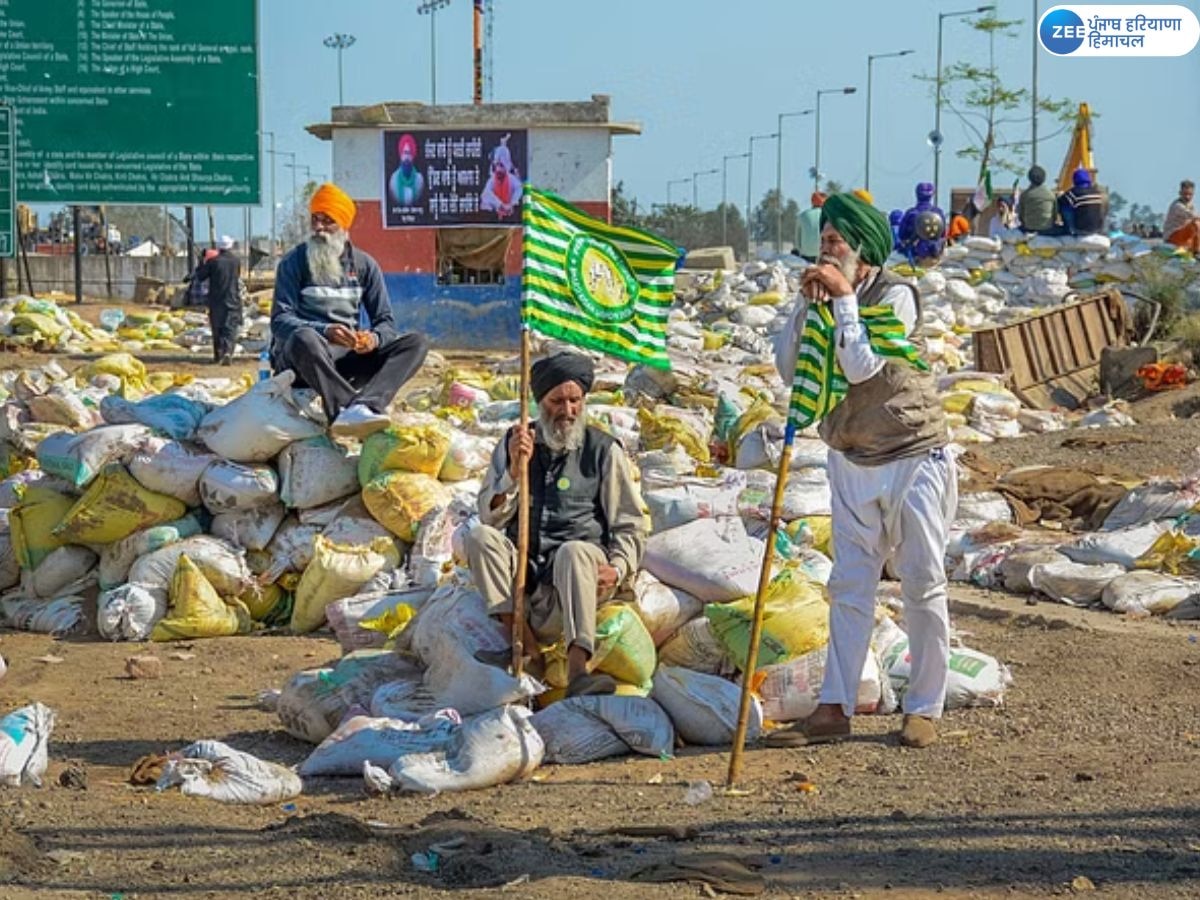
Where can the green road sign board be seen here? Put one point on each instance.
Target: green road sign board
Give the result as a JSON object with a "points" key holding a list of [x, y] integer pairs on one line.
{"points": [[133, 101], [8, 196]]}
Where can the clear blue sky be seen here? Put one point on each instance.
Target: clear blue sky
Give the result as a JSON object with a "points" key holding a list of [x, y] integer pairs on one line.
{"points": [[701, 76]]}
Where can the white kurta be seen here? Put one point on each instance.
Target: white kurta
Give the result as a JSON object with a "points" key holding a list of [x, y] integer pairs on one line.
{"points": [[899, 510]]}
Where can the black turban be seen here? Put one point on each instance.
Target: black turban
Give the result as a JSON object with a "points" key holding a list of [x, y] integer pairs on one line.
{"points": [[547, 374], [861, 225]]}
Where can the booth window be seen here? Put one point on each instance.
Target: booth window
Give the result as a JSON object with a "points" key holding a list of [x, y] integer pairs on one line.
{"points": [[472, 255]]}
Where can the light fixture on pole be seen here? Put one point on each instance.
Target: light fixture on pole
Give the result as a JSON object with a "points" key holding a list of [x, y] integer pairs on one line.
{"points": [[750, 181], [779, 175], [867, 156], [695, 175], [430, 8], [816, 169], [725, 194], [672, 182], [935, 137], [339, 42]]}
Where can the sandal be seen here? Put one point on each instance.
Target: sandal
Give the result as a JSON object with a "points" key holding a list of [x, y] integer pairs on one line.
{"points": [[806, 734]]}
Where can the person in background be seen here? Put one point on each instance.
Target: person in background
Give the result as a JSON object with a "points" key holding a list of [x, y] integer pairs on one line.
{"points": [[1084, 207], [587, 532], [808, 227], [892, 481], [1181, 225], [895, 217], [923, 228], [960, 227], [864, 195], [222, 273], [326, 289], [1036, 207], [997, 218]]}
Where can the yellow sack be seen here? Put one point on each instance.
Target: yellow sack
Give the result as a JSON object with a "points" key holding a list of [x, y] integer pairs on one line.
{"points": [[32, 522], [113, 507], [795, 621], [36, 324], [624, 648], [759, 412], [662, 432], [819, 527], [767, 298], [399, 500], [958, 402], [1172, 552], [337, 571], [128, 368], [404, 448], [390, 622], [263, 601], [196, 609]]}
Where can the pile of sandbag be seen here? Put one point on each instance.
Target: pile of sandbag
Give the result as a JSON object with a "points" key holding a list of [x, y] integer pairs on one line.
{"points": [[204, 508], [42, 324]]}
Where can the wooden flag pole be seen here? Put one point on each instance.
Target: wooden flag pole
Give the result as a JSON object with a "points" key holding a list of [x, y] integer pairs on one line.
{"points": [[764, 581], [518, 607]]}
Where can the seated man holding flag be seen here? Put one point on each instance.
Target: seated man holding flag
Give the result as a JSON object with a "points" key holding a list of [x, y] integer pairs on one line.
{"points": [[893, 484], [587, 530]]}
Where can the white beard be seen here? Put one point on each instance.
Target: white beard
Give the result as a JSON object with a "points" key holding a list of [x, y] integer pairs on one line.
{"points": [[325, 258], [562, 439], [848, 266]]}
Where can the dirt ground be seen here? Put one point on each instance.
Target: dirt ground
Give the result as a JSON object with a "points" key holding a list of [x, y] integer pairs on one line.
{"points": [[1089, 771], [1085, 782]]}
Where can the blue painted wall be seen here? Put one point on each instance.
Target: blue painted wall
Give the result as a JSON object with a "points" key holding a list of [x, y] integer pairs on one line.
{"points": [[458, 317]]}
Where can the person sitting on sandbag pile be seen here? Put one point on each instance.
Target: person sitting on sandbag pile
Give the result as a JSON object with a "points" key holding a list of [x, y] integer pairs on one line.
{"points": [[587, 531], [324, 289]]}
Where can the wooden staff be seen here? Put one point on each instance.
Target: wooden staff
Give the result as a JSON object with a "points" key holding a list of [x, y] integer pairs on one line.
{"points": [[518, 606], [764, 581]]}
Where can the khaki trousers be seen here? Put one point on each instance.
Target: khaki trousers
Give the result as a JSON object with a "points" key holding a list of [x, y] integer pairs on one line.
{"points": [[566, 606]]}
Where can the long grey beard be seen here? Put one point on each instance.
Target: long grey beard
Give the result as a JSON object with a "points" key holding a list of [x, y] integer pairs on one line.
{"points": [[848, 266], [562, 439], [325, 258]]}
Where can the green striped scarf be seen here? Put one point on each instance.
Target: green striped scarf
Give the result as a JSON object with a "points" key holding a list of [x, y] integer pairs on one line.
{"points": [[595, 285], [819, 384]]}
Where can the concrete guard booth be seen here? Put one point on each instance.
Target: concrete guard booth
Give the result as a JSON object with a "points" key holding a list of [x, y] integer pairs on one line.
{"points": [[438, 193]]}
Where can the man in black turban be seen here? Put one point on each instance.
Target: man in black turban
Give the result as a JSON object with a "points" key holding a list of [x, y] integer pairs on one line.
{"points": [[892, 483], [587, 531]]}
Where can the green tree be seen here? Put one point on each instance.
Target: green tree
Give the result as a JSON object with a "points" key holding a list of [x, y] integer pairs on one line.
{"points": [[1116, 203], [624, 209], [988, 109], [293, 222], [764, 218]]}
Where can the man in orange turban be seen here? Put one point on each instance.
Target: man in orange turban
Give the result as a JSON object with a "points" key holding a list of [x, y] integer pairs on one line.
{"points": [[332, 322]]}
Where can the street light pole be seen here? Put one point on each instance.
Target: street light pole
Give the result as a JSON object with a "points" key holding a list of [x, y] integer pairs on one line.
{"points": [[750, 182], [339, 42], [725, 194], [695, 175], [817, 135], [779, 175], [937, 112], [1034, 95], [271, 135], [674, 181], [430, 8], [870, 60]]}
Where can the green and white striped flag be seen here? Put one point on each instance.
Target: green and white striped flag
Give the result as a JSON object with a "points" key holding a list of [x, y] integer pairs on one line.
{"points": [[819, 383], [596, 285]]}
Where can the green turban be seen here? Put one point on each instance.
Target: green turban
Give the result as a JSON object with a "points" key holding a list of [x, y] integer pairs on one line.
{"points": [[861, 225]]}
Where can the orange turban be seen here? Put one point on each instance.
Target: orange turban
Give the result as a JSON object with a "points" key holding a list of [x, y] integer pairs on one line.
{"points": [[335, 203]]}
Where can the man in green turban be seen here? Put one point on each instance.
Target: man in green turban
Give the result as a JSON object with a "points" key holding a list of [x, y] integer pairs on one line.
{"points": [[892, 482]]}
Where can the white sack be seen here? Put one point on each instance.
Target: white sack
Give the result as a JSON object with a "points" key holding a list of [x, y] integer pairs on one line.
{"points": [[380, 742], [494, 748], [662, 608], [584, 729], [1122, 547], [1075, 584], [714, 560], [24, 741], [217, 771], [171, 468], [258, 424], [130, 612], [1148, 593], [249, 528], [228, 486], [314, 472], [703, 708], [221, 564]]}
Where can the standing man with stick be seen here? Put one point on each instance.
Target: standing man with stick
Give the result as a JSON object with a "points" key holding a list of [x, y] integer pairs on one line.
{"points": [[847, 351], [587, 530]]}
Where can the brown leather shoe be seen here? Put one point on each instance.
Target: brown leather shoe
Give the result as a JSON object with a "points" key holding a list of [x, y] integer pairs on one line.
{"points": [[808, 732], [918, 732]]}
